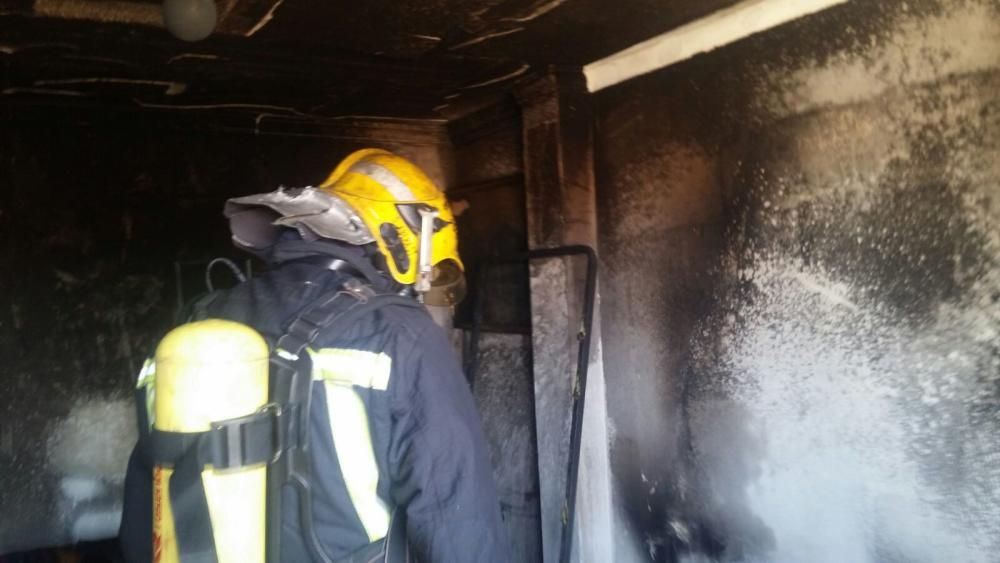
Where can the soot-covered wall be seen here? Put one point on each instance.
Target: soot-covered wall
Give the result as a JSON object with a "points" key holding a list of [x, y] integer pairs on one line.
{"points": [[800, 240], [93, 223], [488, 185]]}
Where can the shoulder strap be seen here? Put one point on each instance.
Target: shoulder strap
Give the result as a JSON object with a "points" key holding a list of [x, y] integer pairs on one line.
{"points": [[291, 385], [320, 316]]}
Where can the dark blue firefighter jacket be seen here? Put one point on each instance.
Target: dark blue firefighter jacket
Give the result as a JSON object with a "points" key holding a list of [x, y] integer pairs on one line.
{"points": [[423, 433]]}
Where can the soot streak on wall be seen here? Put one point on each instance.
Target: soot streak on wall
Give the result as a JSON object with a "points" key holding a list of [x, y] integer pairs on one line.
{"points": [[92, 219], [801, 254]]}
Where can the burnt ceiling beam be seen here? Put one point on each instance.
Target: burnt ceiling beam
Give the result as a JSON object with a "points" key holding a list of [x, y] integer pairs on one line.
{"points": [[236, 17], [106, 11]]}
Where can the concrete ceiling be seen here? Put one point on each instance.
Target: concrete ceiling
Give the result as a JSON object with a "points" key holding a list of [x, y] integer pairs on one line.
{"points": [[309, 60]]}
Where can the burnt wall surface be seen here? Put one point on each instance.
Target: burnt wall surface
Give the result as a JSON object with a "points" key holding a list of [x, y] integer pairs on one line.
{"points": [[800, 241], [95, 223], [486, 184]]}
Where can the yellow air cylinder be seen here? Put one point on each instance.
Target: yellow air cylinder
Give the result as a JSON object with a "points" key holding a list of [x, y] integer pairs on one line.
{"points": [[210, 371]]}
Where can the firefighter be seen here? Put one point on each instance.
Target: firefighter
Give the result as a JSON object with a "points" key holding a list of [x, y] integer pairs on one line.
{"points": [[392, 424]]}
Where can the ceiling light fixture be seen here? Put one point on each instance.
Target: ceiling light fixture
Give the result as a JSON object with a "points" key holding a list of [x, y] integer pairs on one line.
{"points": [[190, 20]]}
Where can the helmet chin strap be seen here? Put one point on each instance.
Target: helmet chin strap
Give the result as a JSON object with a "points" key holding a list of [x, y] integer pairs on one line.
{"points": [[424, 268]]}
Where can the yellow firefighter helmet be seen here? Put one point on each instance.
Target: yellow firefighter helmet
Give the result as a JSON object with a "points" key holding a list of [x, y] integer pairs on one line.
{"points": [[395, 199], [374, 196]]}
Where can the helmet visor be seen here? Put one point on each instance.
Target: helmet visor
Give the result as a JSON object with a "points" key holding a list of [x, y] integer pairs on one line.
{"points": [[324, 214]]}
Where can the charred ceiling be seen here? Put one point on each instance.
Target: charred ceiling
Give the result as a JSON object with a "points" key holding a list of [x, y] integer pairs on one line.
{"points": [[280, 65]]}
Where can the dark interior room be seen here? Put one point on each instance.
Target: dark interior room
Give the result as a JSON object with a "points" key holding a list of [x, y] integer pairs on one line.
{"points": [[728, 287]]}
